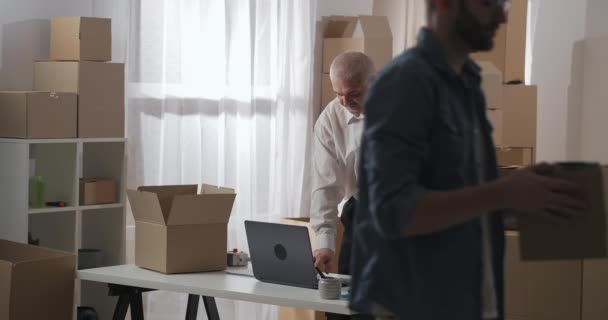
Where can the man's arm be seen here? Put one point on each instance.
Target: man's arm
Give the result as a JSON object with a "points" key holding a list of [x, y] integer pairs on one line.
{"points": [[328, 187], [401, 113]]}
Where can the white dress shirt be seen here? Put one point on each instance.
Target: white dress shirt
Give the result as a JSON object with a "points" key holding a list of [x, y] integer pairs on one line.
{"points": [[335, 162]]}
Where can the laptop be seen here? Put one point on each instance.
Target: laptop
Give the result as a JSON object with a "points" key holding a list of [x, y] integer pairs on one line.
{"points": [[281, 254]]}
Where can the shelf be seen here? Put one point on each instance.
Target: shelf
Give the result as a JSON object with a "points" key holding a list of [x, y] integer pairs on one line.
{"points": [[51, 209], [102, 206], [64, 209], [69, 140]]}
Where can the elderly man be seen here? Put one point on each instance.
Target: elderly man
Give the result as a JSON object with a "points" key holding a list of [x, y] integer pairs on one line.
{"points": [[336, 156], [428, 239]]}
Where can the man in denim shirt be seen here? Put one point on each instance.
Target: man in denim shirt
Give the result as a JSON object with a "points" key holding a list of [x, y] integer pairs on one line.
{"points": [[428, 239]]}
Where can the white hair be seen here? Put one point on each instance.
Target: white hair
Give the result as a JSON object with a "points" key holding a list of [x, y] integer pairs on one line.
{"points": [[351, 66]]}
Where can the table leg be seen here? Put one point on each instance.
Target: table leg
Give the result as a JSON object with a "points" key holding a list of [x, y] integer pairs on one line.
{"points": [[121, 307], [128, 296], [137, 308], [192, 309], [211, 308]]}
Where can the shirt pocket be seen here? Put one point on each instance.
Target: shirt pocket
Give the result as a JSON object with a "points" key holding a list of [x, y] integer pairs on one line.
{"points": [[448, 147]]}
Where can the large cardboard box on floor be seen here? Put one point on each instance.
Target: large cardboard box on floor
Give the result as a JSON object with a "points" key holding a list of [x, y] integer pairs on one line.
{"points": [[585, 238], [178, 230], [540, 290], [101, 93], [595, 289], [81, 39], [35, 282], [509, 52], [519, 115], [491, 84], [37, 115], [514, 156], [368, 34]]}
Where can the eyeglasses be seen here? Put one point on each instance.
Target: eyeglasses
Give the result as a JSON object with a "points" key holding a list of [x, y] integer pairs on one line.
{"points": [[504, 4]]}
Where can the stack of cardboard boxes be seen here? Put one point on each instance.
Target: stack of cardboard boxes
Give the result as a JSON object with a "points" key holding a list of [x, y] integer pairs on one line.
{"points": [[512, 109], [546, 275], [76, 94], [368, 34]]}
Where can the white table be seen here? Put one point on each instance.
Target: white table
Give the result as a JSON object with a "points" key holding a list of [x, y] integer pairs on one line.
{"points": [[211, 285]]}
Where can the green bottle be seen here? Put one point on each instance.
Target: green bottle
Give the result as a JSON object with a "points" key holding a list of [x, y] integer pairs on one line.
{"points": [[36, 192]]}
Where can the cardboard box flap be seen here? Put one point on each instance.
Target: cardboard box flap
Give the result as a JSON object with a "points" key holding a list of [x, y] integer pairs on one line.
{"points": [[488, 68], [337, 29], [146, 207], [375, 27], [201, 209], [210, 189], [16, 253], [167, 193]]}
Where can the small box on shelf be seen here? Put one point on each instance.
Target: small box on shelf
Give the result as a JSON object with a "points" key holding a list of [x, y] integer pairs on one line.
{"points": [[97, 191]]}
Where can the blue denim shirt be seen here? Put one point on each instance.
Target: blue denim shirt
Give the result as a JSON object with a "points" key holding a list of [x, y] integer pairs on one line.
{"points": [[419, 136]]}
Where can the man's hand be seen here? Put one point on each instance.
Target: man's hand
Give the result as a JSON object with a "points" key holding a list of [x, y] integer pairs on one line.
{"points": [[324, 259], [533, 191]]}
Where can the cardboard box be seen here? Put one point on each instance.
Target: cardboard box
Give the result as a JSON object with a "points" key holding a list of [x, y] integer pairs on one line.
{"points": [[495, 116], [491, 85], [585, 239], [519, 116], [553, 290], [178, 230], [516, 156], [515, 279], [286, 313], [37, 115], [81, 39], [540, 290], [101, 93], [327, 91], [35, 282], [509, 52], [97, 191], [368, 34], [595, 289]]}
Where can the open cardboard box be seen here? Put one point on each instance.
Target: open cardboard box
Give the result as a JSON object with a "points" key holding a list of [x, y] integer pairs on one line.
{"points": [[178, 230]]}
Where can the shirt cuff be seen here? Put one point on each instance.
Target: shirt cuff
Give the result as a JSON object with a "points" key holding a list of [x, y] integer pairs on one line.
{"points": [[326, 241]]}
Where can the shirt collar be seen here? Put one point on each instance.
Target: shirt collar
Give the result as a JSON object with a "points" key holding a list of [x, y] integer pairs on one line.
{"points": [[428, 42], [352, 118]]}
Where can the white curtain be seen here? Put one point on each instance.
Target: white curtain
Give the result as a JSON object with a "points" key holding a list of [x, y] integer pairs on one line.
{"points": [[220, 92]]}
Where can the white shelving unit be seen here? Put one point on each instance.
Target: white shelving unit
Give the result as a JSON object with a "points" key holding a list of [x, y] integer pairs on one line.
{"points": [[61, 163]]}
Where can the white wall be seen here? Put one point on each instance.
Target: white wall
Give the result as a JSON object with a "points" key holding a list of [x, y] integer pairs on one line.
{"points": [[597, 24], [556, 26], [24, 33]]}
